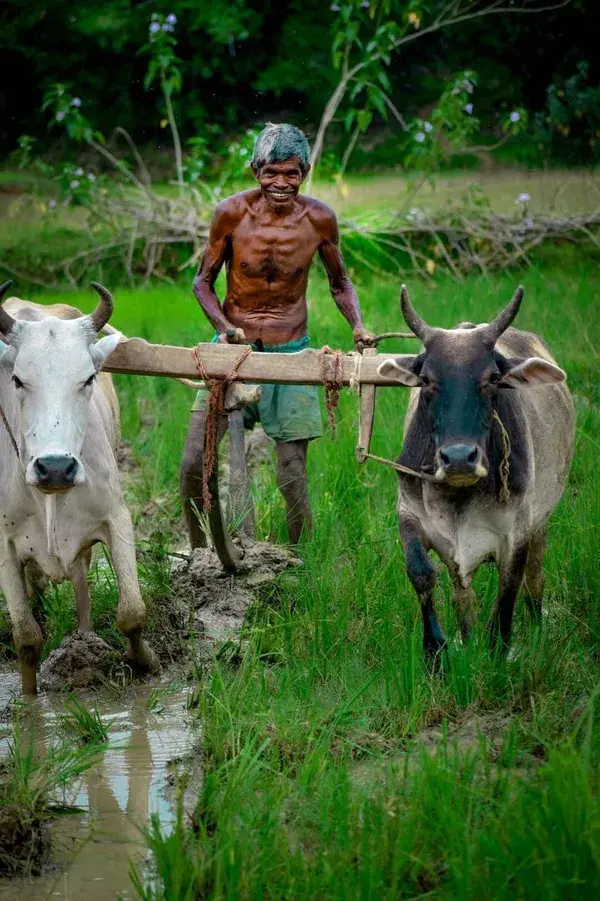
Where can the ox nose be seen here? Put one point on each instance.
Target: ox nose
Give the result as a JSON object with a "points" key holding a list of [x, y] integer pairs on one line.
{"points": [[462, 463], [55, 471]]}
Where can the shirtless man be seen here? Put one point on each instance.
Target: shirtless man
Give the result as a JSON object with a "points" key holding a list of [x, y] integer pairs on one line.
{"points": [[267, 238]]}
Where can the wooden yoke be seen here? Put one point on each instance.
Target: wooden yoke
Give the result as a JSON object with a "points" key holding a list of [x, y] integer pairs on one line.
{"points": [[138, 357], [366, 414]]}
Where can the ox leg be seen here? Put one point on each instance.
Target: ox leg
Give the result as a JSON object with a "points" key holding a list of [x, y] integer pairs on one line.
{"points": [[464, 600], [79, 576], [27, 635], [511, 578], [421, 573], [131, 612], [534, 575]]}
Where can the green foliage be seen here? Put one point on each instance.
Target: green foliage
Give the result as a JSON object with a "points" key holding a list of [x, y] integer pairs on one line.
{"points": [[569, 127]]}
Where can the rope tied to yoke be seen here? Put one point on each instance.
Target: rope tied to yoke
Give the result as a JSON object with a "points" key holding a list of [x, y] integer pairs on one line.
{"points": [[504, 467], [332, 373], [217, 388]]}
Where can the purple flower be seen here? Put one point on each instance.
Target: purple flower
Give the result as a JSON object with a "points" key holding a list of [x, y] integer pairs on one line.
{"points": [[154, 27], [79, 171], [515, 116], [91, 176], [420, 136], [167, 27], [468, 108], [172, 19], [427, 126], [76, 101], [365, 4], [60, 116], [523, 198], [74, 183]]}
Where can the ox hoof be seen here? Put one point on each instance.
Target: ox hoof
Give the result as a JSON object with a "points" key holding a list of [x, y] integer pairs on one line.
{"points": [[140, 656]]}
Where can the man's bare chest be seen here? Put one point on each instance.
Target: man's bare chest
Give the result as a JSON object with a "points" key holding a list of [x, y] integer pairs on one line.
{"points": [[273, 252]]}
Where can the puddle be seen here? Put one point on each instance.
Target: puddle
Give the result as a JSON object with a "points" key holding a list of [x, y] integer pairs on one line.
{"points": [[92, 851]]}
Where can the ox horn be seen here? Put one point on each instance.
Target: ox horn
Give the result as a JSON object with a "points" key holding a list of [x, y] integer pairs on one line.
{"points": [[6, 321], [103, 311], [417, 325], [504, 319]]}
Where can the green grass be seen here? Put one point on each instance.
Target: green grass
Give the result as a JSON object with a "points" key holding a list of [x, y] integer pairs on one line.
{"points": [[315, 784], [86, 725]]}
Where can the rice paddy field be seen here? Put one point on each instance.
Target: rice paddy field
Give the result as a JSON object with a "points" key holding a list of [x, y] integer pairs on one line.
{"points": [[334, 764]]}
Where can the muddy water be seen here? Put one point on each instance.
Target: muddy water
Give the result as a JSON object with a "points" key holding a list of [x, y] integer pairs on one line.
{"points": [[133, 779]]}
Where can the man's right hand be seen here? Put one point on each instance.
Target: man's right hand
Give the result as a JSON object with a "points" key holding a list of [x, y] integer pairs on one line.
{"points": [[232, 336]]}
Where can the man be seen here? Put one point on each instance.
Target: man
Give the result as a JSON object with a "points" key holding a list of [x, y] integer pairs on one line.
{"points": [[267, 237]]}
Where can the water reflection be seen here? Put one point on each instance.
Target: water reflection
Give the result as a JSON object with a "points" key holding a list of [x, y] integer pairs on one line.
{"points": [[129, 782]]}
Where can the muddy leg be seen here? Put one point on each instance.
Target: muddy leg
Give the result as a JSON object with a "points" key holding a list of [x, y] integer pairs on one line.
{"points": [[511, 579], [79, 574], [27, 634], [293, 484], [421, 573], [464, 600], [131, 612], [533, 589], [190, 480]]}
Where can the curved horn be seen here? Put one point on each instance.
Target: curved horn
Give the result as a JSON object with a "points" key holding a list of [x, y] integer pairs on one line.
{"points": [[504, 319], [6, 321], [411, 317], [103, 311]]}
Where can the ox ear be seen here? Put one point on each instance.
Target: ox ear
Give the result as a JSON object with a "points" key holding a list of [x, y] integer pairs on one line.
{"points": [[8, 355], [531, 373], [103, 348], [404, 370]]}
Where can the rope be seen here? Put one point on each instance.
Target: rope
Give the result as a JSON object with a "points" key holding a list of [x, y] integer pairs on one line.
{"points": [[333, 380], [9, 431], [504, 468], [217, 388]]}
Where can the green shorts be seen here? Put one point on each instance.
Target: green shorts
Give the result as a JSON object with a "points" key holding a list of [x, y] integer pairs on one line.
{"points": [[286, 412]]}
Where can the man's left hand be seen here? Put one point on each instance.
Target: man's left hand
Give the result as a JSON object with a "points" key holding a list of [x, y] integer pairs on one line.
{"points": [[362, 337]]}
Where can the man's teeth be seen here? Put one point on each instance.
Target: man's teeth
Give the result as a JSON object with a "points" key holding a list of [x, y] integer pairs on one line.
{"points": [[280, 194]]}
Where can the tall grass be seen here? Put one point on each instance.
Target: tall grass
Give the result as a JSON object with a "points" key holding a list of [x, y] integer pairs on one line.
{"points": [[315, 786]]}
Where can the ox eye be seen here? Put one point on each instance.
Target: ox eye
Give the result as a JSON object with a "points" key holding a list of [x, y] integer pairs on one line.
{"points": [[17, 382], [494, 378], [90, 381]]}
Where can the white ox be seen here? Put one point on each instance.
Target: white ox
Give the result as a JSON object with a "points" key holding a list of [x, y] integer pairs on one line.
{"points": [[59, 485]]}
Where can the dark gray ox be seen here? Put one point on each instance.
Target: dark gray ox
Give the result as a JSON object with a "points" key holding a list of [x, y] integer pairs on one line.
{"points": [[493, 461]]}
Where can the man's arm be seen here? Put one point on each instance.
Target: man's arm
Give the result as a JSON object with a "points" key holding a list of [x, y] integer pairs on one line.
{"points": [[342, 289], [215, 254]]}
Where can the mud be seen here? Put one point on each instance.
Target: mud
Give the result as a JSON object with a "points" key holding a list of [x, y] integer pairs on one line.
{"points": [[82, 661], [220, 600]]}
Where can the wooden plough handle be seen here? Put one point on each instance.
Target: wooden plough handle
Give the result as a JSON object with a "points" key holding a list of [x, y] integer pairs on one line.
{"points": [[366, 418]]}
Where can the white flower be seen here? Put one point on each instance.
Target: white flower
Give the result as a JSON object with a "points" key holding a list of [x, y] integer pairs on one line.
{"points": [[74, 183], [60, 116], [420, 136], [79, 171], [468, 108], [167, 27], [468, 87], [335, 8], [76, 101], [52, 204], [91, 176], [515, 116], [243, 151], [154, 27], [427, 126], [528, 223], [523, 198], [172, 19], [232, 148]]}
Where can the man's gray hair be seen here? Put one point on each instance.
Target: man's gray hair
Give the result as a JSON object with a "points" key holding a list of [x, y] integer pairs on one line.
{"points": [[278, 143]]}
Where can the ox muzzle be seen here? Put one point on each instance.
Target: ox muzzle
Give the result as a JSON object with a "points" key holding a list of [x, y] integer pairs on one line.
{"points": [[461, 464], [55, 472]]}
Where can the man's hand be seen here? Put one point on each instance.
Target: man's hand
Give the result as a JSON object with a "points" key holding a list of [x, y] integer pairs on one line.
{"points": [[232, 335], [362, 337]]}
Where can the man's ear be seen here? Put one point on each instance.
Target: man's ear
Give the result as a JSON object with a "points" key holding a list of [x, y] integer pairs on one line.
{"points": [[8, 355], [404, 370], [531, 373], [103, 348], [305, 173]]}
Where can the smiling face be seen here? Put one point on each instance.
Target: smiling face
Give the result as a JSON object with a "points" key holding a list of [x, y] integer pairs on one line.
{"points": [[280, 182], [52, 365]]}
